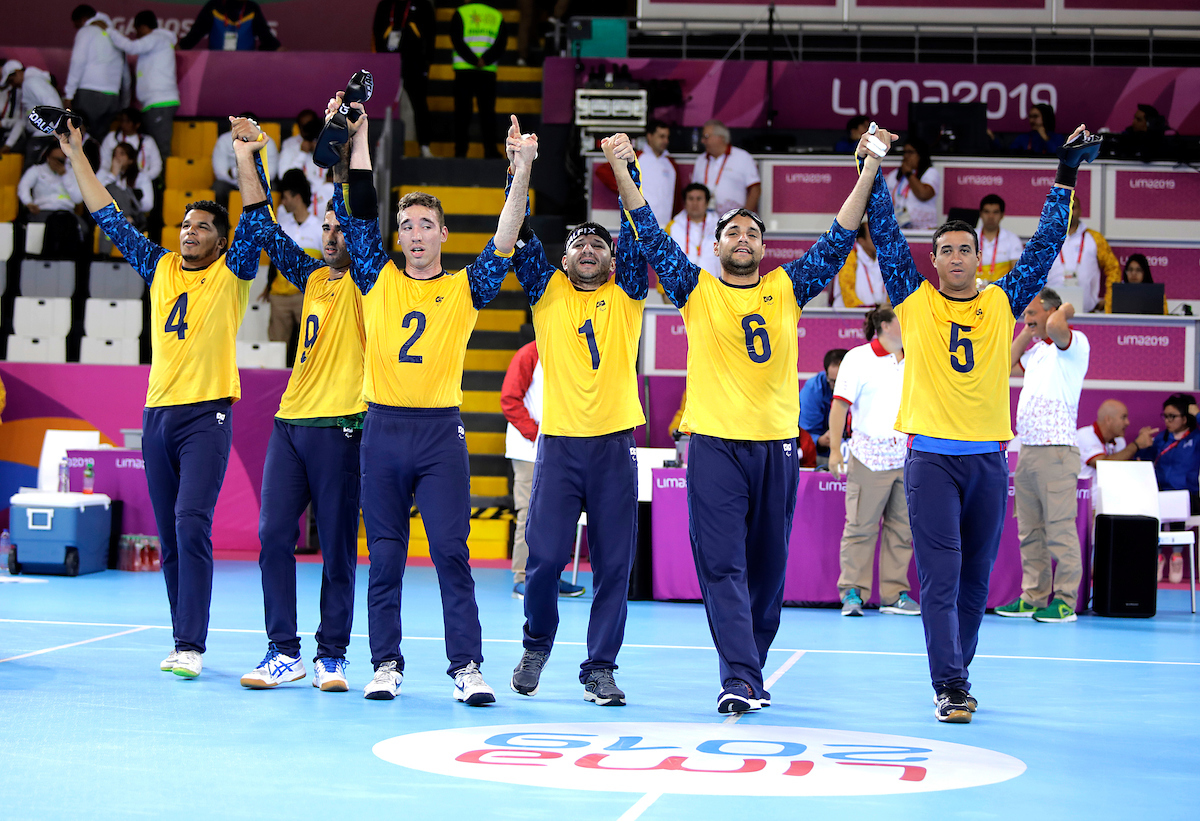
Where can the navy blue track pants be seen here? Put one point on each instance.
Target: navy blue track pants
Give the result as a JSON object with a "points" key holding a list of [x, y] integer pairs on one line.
{"points": [[741, 498], [956, 508], [572, 474], [186, 450], [421, 454], [319, 465]]}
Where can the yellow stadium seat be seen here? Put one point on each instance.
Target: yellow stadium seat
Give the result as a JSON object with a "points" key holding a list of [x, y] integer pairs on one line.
{"points": [[236, 204], [10, 169], [273, 131], [193, 138], [189, 172], [176, 199], [170, 238], [8, 203]]}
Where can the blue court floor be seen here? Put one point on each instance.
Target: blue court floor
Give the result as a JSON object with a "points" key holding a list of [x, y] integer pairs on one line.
{"points": [[1094, 720]]}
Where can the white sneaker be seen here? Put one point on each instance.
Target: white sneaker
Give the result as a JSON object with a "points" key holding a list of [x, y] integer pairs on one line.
{"points": [[329, 675], [470, 687], [386, 683], [275, 669], [188, 664], [168, 664]]}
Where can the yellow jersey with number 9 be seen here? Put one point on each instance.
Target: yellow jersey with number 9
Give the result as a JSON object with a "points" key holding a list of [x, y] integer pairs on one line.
{"points": [[742, 380], [417, 332], [194, 319], [956, 365], [588, 344]]}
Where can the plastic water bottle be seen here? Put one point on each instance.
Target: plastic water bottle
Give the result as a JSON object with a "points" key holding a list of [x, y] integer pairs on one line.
{"points": [[5, 546], [64, 476], [89, 476]]}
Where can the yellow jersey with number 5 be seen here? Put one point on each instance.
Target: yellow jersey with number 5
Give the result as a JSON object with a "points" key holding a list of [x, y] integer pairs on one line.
{"points": [[956, 365]]}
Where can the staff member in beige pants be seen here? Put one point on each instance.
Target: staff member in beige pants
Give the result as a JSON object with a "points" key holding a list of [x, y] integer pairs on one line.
{"points": [[868, 386], [1048, 469]]}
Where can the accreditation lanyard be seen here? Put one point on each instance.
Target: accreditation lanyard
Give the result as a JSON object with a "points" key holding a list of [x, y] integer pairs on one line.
{"points": [[1078, 258], [1168, 448], [687, 237], [995, 247], [720, 171], [866, 274]]}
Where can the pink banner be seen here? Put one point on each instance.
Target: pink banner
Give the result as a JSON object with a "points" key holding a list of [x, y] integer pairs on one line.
{"points": [[1137, 353], [1023, 189], [1174, 267], [825, 95], [811, 189], [1127, 5], [951, 5], [1157, 195]]}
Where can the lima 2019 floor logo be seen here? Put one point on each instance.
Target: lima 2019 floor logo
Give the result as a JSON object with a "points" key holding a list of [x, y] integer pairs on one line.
{"points": [[699, 759]]}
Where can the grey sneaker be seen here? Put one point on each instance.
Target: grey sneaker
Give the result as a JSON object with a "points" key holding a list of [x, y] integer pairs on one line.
{"points": [[600, 687], [385, 684], [903, 606], [852, 603], [528, 672], [470, 687]]}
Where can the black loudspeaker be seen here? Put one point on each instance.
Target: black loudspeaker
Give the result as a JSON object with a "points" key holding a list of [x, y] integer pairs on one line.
{"points": [[1125, 573]]}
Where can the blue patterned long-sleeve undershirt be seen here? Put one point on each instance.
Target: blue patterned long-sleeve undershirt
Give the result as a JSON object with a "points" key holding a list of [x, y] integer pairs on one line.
{"points": [[294, 263], [1020, 285]]}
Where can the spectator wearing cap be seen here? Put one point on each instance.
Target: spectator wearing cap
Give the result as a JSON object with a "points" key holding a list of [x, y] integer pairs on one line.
{"points": [[98, 70], [730, 173], [694, 228], [157, 88], [26, 88], [129, 131], [1104, 439], [999, 248], [816, 398], [860, 282]]}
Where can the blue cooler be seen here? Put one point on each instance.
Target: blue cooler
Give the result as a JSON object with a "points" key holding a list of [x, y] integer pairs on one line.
{"points": [[63, 534]]}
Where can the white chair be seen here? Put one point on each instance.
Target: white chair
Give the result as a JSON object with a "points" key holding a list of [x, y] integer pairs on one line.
{"points": [[36, 348], [259, 284], [113, 318], [261, 354], [48, 277], [42, 316], [6, 245], [96, 350], [255, 324], [1176, 506], [114, 279], [35, 237]]}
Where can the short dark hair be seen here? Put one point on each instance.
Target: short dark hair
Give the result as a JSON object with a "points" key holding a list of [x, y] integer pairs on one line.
{"points": [[219, 214], [590, 228], [992, 199], [697, 186], [1050, 299], [1141, 260], [1182, 402], [145, 18], [955, 225], [654, 125], [728, 216], [311, 129], [427, 200], [855, 121], [873, 321], [834, 357], [133, 115], [82, 12], [922, 149], [294, 181]]}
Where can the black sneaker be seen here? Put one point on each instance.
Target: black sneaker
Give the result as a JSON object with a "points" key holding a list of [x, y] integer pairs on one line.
{"points": [[972, 704], [736, 697], [527, 673], [600, 687], [952, 706]]}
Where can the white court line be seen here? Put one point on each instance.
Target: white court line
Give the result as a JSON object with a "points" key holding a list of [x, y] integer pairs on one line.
{"points": [[705, 648], [641, 806], [73, 644]]}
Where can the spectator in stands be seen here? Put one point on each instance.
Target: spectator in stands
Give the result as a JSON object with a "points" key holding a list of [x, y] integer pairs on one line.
{"points": [[1176, 456], [868, 387], [295, 219], [129, 187], [660, 175], [409, 27], [816, 397], [729, 172], [856, 126], [296, 153], [1136, 272], [1145, 138], [1085, 261], [860, 282], [231, 25], [225, 164], [1105, 439], [98, 70], [157, 89], [914, 187], [694, 228], [129, 131], [999, 248], [49, 186], [1041, 140], [479, 37], [27, 87]]}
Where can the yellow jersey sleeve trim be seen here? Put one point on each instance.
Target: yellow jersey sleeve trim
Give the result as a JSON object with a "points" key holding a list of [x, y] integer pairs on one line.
{"points": [[500, 253]]}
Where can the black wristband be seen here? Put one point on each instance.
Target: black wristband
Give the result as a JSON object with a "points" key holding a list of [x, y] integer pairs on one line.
{"points": [[1066, 175], [362, 202]]}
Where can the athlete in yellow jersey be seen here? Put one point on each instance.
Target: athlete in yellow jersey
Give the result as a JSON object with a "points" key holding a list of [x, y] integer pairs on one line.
{"points": [[197, 300], [414, 445], [742, 411], [588, 324], [954, 406], [313, 454]]}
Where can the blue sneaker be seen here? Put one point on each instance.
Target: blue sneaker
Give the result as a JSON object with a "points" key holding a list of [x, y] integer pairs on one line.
{"points": [[568, 590], [329, 675], [519, 590], [736, 697], [275, 669], [764, 699], [852, 603]]}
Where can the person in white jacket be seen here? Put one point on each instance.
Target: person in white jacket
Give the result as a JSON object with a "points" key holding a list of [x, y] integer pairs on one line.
{"points": [[97, 73], [33, 88], [130, 188], [225, 163], [157, 88], [49, 186], [128, 130]]}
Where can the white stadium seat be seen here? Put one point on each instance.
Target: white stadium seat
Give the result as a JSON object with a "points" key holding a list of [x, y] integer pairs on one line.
{"points": [[261, 354], [98, 351], [6, 246], [48, 277], [41, 316], [254, 326], [35, 237], [114, 279], [259, 284], [36, 348], [113, 318]]}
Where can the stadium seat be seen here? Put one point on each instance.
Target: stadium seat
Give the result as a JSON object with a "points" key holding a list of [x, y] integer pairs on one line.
{"points": [[193, 138], [10, 168], [23, 348], [113, 318], [176, 199], [6, 244], [189, 172], [259, 284], [8, 201], [48, 277], [261, 354], [100, 351], [254, 326], [42, 316], [35, 237], [114, 280], [273, 131]]}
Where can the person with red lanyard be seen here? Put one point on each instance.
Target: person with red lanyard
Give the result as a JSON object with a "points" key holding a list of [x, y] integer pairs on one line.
{"points": [[728, 172], [694, 227], [1176, 456], [1104, 439], [1044, 484], [1085, 261], [999, 248], [860, 282]]}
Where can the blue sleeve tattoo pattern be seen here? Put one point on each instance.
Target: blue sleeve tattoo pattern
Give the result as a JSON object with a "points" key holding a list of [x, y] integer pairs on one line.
{"points": [[633, 275], [678, 274], [293, 263], [900, 274], [486, 274], [363, 241], [1028, 276], [533, 269], [817, 268], [138, 251], [243, 254]]}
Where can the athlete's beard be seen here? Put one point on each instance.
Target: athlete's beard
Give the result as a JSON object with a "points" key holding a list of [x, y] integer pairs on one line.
{"points": [[596, 278], [735, 266]]}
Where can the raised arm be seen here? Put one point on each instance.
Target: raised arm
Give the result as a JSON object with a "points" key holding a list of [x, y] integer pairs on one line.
{"points": [[252, 173], [900, 274], [633, 273], [356, 205], [512, 232]]}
